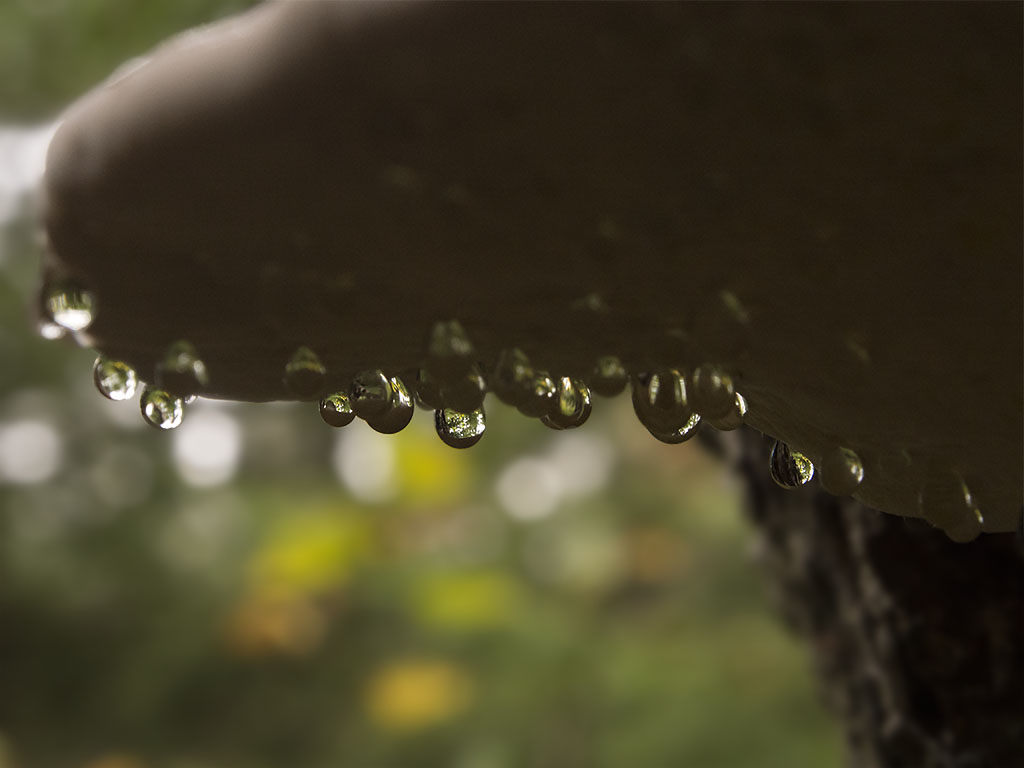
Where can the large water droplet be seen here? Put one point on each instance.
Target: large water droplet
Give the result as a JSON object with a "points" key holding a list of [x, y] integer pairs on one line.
{"points": [[734, 418], [946, 502], [460, 430], [681, 435], [449, 349], [304, 374], [540, 396], [711, 392], [512, 377], [398, 413], [609, 377], [161, 409], [70, 306], [789, 468], [660, 402], [465, 393], [370, 394], [181, 372], [571, 407], [114, 380], [840, 471], [336, 410]]}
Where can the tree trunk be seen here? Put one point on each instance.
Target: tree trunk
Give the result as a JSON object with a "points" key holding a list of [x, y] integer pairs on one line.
{"points": [[919, 641]]}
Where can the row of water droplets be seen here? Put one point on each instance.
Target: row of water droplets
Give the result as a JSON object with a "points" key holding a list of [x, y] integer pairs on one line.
{"points": [[671, 404]]}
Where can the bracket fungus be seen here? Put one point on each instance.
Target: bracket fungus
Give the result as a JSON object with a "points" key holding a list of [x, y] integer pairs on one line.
{"points": [[808, 218]]}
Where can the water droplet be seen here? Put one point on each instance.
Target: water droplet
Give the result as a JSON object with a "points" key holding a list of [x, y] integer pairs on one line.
{"points": [[840, 471], [305, 375], [711, 392], [571, 406], [114, 380], [398, 413], [681, 435], [181, 372], [466, 393], [428, 391], [609, 377], [370, 394], [660, 402], [540, 396], [946, 502], [70, 306], [789, 468], [450, 350], [733, 419], [161, 409], [336, 410], [512, 377], [460, 430]]}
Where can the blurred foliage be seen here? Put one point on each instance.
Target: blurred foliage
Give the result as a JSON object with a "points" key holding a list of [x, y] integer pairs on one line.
{"points": [[291, 616]]}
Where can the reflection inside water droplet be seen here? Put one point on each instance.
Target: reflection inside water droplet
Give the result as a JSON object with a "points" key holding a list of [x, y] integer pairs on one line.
{"points": [[304, 374], [161, 409], [734, 418], [540, 396], [181, 372], [70, 306], [465, 393], [460, 430], [398, 413], [840, 471], [114, 380], [609, 377], [512, 377], [789, 468], [370, 393], [681, 435], [571, 406], [336, 410], [660, 402], [711, 392]]}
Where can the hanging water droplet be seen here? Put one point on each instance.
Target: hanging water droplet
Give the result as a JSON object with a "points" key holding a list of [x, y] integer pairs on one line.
{"points": [[609, 377], [181, 372], [840, 471], [946, 502], [734, 418], [114, 380], [161, 409], [681, 435], [398, 413], [571, 406], [428, 391], [465, 393], [304, 374], [449, 350], [660, 402], [540, 396], [336, 410], [711, 392], [70, 306], [512, 377], [789, 468], [460, 430], [370, 394]]}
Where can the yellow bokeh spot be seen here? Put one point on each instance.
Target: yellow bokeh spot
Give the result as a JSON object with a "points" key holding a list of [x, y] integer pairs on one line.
{"points": [[311, 552], [268, 623], [431, 473], [416, 694], [473, 600]]}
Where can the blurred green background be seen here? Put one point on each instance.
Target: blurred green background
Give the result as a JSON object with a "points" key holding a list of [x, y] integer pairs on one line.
{"points": [[256, 589]]}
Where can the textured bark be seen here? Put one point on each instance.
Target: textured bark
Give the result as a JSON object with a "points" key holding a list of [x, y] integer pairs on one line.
{"points": [[919, 641]]}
